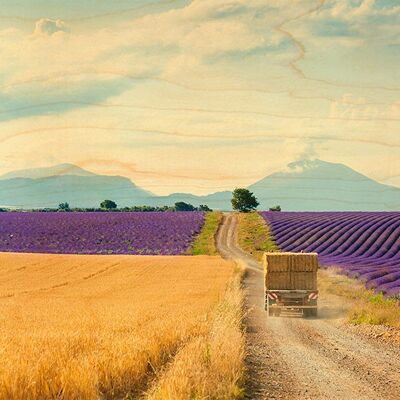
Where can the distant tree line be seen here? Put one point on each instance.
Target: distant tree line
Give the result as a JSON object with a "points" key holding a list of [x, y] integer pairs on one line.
{"points": [[242, 200], [110, 205]]}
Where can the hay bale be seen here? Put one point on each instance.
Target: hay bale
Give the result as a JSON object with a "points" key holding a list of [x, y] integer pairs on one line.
{"points": [[289, 271]]}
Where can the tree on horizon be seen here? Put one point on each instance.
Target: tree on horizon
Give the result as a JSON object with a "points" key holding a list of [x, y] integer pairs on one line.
{"points": [[243, 200], [108, 205]]}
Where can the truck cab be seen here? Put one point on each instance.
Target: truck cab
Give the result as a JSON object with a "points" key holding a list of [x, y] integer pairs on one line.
{"points": [[290, 283]]}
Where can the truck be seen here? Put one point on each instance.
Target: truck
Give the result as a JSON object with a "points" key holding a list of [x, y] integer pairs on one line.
{"points": [[290, 283]]}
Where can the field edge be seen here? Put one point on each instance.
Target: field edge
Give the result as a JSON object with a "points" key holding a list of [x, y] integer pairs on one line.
{"points": [[211, 366], [204, 243], [254, 235]]}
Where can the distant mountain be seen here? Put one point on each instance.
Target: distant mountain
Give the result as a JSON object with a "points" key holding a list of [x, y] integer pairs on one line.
{"points": [[78, 187], [311, 185], [317, 185], [302, 186], [57, 170]]}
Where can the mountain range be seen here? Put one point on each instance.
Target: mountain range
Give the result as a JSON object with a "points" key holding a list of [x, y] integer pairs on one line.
{"points": [[307, 185]]}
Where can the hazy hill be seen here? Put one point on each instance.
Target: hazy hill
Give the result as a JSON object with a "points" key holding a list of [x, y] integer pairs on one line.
{"points": [[57, 170], [319, 185], [303, 185], [312, 185], [77, 190]]}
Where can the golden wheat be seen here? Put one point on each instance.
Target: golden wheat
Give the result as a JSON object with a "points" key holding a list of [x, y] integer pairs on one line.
{"points": [[89, 327], [210, 366]]}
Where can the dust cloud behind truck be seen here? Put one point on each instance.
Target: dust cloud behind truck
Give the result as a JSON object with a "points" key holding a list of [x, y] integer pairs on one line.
{"points": [[290, 281]]}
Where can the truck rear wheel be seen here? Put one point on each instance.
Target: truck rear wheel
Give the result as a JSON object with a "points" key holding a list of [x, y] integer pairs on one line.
{"points": [[274, 312], [314, 312], [271, 312], [310, 312]]}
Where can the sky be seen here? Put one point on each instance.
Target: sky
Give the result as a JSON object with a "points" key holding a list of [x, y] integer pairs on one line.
{"points": [[200, 96]]}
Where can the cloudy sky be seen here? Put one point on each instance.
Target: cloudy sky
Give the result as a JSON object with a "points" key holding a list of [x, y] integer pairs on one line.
{"points": [[200, 95]]}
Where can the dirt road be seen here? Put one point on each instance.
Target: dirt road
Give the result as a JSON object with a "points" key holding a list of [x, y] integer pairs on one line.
{"points": [[296, 358]]}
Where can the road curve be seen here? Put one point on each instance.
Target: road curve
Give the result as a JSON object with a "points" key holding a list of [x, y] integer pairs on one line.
{"points": [[296, 358]]}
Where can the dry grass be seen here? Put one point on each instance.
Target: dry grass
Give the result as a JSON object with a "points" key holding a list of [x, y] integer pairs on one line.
{"points": [[204, 244], [90, 327], [364, 307], [376, 310], [254, 235]]}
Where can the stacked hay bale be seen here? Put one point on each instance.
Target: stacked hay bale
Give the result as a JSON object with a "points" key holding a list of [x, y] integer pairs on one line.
{"points": [[290, 271]]}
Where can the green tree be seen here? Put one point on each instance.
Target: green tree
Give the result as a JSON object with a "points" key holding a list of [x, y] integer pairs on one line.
{"points": [[243, 200], [64, 206], [182, 206], [275, 208], [108, 205], [204, 207]]}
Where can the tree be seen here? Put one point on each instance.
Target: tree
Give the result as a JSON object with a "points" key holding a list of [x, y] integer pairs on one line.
{"points": [[108, 205], [63, 206], [204, 207], [182, 206], [275, 208], [243, 200]]}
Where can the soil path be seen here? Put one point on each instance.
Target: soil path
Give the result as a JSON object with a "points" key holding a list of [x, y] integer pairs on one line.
{"points": [[296, 358]]}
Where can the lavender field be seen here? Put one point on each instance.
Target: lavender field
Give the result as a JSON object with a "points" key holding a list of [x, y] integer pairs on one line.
{"points": [[99, 233], [364, 245]]}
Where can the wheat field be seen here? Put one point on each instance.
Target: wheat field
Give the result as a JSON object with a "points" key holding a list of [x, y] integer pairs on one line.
{"points": [[109, 327]]}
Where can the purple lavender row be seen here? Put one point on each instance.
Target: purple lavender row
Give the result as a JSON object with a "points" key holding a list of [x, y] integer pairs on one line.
{"points": [[365, 245], [148, 233]]}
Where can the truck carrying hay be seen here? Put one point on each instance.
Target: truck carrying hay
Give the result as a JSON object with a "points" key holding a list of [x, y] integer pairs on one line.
{"points": [[291, 283]]}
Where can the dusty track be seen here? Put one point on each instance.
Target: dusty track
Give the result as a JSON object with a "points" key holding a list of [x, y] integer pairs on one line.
{"points": [[296, 358]]}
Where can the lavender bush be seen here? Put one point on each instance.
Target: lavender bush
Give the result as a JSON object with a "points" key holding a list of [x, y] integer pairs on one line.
{"points": [[99, 233], [365, 245]]}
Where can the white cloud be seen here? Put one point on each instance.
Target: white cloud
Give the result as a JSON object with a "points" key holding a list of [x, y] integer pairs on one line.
{"points": [[47, 26], [353, 107], [222, 36], [347, 10], [155, 45]]}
